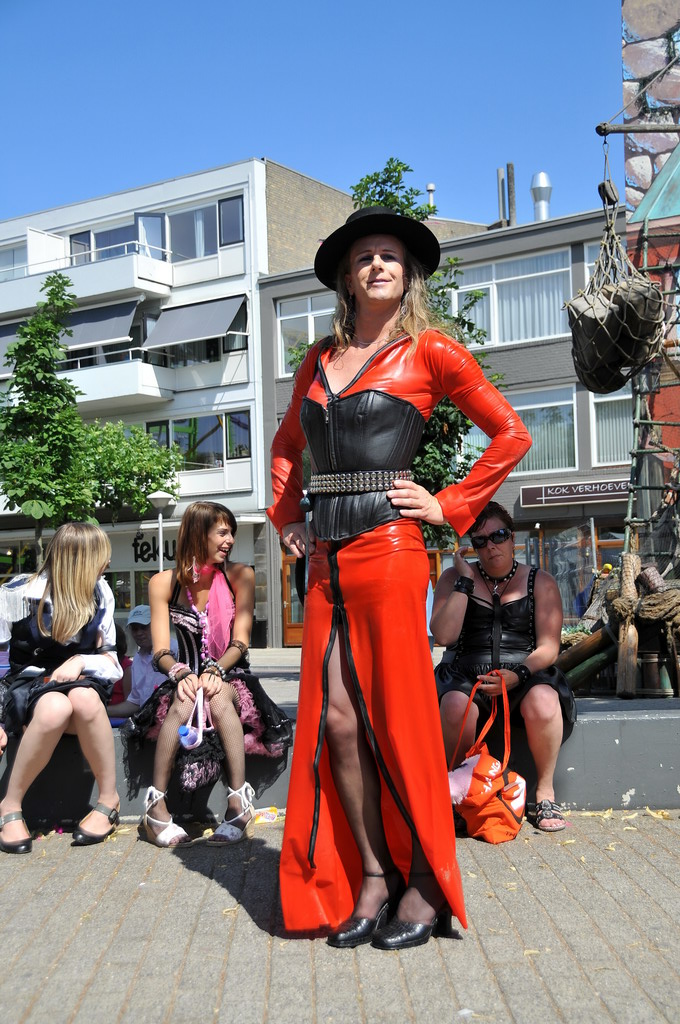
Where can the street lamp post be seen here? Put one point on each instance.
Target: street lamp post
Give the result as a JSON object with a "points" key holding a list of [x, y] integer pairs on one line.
{"points": [[162, 501]]}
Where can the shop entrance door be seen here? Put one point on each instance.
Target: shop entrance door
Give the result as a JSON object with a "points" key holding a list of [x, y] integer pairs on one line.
{"points": [[292, 607]]}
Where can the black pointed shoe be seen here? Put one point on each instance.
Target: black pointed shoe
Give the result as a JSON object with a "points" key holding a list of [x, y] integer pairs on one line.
{"points": [[358, 930], [404, 934], [83, 838], [21, 845]]}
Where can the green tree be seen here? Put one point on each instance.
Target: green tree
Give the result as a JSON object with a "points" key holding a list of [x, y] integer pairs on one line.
{"points": [[43, 471], [54, 467], [387, 188], [127, 464]]}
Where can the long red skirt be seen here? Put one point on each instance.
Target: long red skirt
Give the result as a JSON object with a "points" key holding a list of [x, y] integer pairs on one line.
{"points": [[371, 588]]}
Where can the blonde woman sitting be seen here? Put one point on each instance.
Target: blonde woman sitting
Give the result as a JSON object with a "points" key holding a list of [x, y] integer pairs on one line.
{"points": [[63, 664]]}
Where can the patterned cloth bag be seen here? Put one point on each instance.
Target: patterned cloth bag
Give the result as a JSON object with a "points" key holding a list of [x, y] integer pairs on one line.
{"points": [[488, 797]]}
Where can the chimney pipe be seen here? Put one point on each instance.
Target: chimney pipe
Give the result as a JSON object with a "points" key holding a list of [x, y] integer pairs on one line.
{"points": [[541, 190], [512, 206], [502, 212], [430, 193]]}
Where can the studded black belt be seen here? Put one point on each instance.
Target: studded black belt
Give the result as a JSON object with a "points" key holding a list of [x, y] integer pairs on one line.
{"points": [[360, 482]]}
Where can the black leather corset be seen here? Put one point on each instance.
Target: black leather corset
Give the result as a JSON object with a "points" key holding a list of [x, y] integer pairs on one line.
{"points": [[363, 431], [516, 630]]}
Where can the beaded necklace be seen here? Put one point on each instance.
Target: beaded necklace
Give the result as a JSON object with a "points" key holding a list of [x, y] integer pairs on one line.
{"points": [[204, 624]]}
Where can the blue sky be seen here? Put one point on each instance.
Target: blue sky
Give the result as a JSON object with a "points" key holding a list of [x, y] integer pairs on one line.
{"points": [[100, 97]]}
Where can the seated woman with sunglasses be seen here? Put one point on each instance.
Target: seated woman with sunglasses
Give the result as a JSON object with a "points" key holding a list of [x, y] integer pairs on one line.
{"points": [[497, 615]]}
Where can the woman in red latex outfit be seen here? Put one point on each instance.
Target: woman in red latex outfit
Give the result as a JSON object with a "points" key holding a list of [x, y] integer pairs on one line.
{"points": [[369, 847]]}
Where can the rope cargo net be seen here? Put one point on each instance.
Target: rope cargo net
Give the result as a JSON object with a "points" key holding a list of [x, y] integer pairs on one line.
{"points": [[618, 322]]}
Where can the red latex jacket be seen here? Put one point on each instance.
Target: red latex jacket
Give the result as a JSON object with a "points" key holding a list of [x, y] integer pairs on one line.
{"points": [[437, 367]]}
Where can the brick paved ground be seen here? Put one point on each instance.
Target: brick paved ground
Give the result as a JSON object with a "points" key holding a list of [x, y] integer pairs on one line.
{"points": [[581, 927]]}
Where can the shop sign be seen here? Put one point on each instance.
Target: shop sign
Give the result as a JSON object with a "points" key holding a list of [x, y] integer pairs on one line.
{"points": [[147, 550], [573, 494]]}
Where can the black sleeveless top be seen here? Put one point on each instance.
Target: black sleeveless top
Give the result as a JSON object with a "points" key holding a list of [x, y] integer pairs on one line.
{"points": [[514, 639]]}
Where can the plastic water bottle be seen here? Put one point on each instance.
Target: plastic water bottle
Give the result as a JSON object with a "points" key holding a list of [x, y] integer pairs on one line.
{"points": [[188, 736]]}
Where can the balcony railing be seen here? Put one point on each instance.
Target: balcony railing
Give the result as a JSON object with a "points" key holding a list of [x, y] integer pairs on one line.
{"points": [[79, 259]]}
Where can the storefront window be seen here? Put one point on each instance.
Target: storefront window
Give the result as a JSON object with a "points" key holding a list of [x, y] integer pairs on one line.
{"points": [[568, 556], [16, 559], [142, 585], [120, 584]]}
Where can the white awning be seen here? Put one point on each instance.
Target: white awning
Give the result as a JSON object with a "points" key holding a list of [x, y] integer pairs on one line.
{"points": [[203, 320]]}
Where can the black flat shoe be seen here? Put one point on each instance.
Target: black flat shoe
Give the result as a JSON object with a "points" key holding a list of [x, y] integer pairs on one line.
{"points": [[358, 930], [404, 934], [83, 838], [21, 845]]}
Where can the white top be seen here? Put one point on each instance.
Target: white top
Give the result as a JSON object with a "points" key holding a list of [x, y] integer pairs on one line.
{"points": [[145, 679], [101, 666]]}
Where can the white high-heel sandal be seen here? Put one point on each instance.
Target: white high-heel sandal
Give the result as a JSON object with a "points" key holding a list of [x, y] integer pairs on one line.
{"points": [[227, 833], [169, 830]]}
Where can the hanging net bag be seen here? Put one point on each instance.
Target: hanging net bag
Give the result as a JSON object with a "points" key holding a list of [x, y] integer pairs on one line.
{"points": [[617, 323]]}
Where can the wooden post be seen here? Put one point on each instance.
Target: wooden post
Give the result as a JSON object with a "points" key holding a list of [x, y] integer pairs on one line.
{"points": [[583, 650], [628, 635]]}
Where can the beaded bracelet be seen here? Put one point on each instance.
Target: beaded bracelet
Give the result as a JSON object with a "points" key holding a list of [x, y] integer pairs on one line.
{"points": [[464, 585], [176, 668], [523, 673], [216, 669]]}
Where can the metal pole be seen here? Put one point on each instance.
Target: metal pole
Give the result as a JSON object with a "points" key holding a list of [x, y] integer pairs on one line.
{"points": [[621, 129], [160, 541]]}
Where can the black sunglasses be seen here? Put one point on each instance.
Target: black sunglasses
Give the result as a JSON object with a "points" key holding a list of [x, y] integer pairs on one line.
{"points": [[497, 537]]}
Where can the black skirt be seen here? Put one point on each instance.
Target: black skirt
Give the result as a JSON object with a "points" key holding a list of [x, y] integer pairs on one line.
{"points": [[25, 688]]}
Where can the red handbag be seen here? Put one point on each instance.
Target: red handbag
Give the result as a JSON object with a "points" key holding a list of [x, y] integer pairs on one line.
{"points": [[492, 804]]}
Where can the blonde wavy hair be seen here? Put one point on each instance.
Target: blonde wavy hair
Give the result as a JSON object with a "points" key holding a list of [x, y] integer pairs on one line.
{"points": [[415, 315], [75, 558]]}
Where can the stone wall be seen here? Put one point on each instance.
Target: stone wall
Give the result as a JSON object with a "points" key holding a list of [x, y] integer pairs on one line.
{"points": [[651, 38]]}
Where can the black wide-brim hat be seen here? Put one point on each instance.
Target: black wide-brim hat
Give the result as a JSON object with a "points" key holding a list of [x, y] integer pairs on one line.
{"points": [[376, 220]]}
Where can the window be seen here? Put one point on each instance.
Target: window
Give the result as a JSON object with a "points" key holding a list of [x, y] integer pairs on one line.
{"points": [[16, 558], [13, 262], [238, 435], [302, 321], [231, 220], [192, 353], [142, 585], [612, 419], [193, 234], [115, 242], [236, 339], [160, 431], [205, 439], [81, 244], [549, 417], [201, 439], [120, 584], [592, 252], [521, 299]]}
